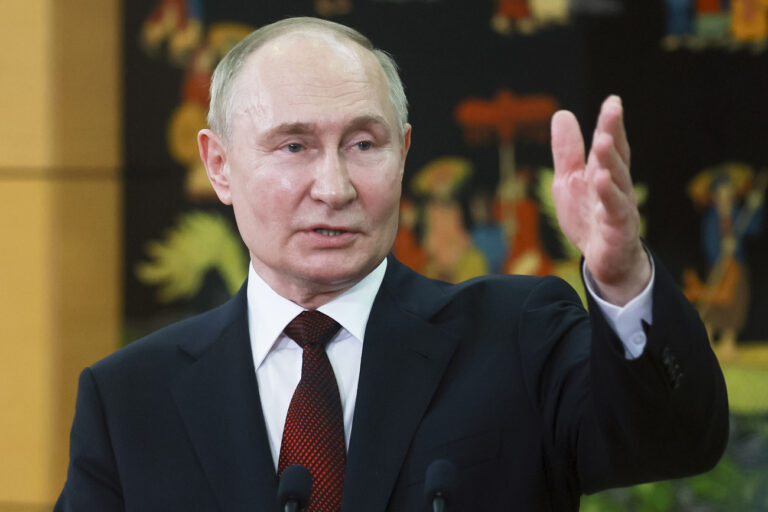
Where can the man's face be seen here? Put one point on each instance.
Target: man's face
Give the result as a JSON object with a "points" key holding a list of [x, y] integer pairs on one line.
{"points": [[314, 164]]}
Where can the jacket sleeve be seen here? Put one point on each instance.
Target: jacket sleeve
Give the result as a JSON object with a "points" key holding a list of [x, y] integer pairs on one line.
{"points": [[92, 477], [614, 422]]}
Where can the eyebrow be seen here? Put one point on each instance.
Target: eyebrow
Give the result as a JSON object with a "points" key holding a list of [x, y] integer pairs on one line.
{"points": [[290, 128], [300, 128], [363, 121]]}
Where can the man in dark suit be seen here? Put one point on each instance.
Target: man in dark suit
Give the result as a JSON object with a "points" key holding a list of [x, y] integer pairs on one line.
{"points": [[534, 401]]}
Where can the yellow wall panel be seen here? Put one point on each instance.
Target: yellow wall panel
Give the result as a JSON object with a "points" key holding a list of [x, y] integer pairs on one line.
{"points": [[25, 79], [60, 219], [86, 302], [25, 354], [86, 98]]}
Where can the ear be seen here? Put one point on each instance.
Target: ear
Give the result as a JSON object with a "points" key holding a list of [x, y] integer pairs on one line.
{"points": [[214, 156], [406, 139], [405, 147]]}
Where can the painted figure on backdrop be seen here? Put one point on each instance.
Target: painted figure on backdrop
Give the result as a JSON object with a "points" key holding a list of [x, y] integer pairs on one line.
{"points": [[698, 24], [528, 16], [503, 120], [510, 14], [487, 232], [178, 24], [519, 214], [679, 14], [749, 20], [723, 299], [450, 253], [712, 20]]}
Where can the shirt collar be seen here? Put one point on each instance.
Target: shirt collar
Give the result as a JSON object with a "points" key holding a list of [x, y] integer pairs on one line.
{"points": [[269, 312]]}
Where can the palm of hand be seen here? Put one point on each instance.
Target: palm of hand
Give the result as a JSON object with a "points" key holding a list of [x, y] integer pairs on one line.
{"points": [[595, 201]]}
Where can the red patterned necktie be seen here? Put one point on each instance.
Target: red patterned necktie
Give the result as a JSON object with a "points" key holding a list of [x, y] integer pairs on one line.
{"points": [[314, 428]]}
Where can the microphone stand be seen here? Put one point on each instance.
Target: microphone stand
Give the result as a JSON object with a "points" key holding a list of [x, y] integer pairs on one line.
{"points": [[438, 504]]}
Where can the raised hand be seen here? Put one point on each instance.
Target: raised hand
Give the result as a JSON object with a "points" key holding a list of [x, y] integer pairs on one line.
{"points": [[596, 204]]}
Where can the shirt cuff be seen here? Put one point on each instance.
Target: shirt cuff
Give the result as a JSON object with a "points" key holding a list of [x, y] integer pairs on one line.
{"points": [[626, 321]]}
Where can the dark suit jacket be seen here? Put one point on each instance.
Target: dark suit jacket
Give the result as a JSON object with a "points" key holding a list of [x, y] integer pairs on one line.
{"points": [[507, 377]]}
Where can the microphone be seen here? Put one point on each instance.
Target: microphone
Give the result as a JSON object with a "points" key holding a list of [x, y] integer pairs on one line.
{"points": [[295, 488], [439, 484]]}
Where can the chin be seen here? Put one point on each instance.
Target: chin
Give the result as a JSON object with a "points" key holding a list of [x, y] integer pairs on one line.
{"points": [[338, 274], [334, 278]]}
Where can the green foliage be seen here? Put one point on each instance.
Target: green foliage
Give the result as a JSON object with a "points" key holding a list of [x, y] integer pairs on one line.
{"points": [[724, 485], [726, 488], [602, 502], [747, 389], [653, 497]]}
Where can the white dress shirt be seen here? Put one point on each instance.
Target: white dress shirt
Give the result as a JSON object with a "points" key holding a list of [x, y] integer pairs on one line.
{"points": [[277, 358]]}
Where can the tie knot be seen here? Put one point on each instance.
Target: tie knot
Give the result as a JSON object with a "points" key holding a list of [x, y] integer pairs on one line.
{"points": [[312, 328]]}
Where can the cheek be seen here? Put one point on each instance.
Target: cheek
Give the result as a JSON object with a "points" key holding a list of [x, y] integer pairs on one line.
{"points": [[256, 205], [269, 186], [283, 185], [381, 199]]}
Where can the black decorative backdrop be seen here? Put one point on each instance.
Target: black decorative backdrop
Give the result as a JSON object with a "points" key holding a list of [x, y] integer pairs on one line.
{"points": [[693, 75]]}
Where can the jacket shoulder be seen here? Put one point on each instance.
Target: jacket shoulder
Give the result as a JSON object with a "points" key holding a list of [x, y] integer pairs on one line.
{"points": [[196, 332], [495, 294]]}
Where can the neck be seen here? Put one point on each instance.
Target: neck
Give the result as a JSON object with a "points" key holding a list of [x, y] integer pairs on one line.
{"points": [[312, 300], [304, 292]]}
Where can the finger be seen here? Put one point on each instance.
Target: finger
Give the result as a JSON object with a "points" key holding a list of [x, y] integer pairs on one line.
{"points": [[604, 155], [611, 121], [616, 205], [567, 143]]}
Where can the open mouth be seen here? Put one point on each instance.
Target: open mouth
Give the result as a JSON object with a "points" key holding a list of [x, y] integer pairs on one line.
{"points": [[329, 232]]}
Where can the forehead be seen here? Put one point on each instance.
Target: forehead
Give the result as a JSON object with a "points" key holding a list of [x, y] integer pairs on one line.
{"points": [[300, 75]]}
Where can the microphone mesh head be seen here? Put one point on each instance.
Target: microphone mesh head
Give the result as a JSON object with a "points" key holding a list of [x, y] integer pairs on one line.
{"points": [[440, 480], [296, 485]]}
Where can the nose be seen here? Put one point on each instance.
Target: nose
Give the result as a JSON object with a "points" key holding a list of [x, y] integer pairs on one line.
{"points": [[332, 184]]}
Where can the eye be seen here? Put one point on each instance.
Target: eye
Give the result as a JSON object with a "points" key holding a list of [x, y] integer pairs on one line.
{"points": [[364, 145], [293, 147]]}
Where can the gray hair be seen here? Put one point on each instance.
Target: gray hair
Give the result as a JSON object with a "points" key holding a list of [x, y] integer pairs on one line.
{"points": [[228, 69]]}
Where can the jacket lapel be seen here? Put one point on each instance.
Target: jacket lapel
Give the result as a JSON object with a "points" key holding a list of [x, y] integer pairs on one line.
{"points": [[219, 402], [405, 354]]}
